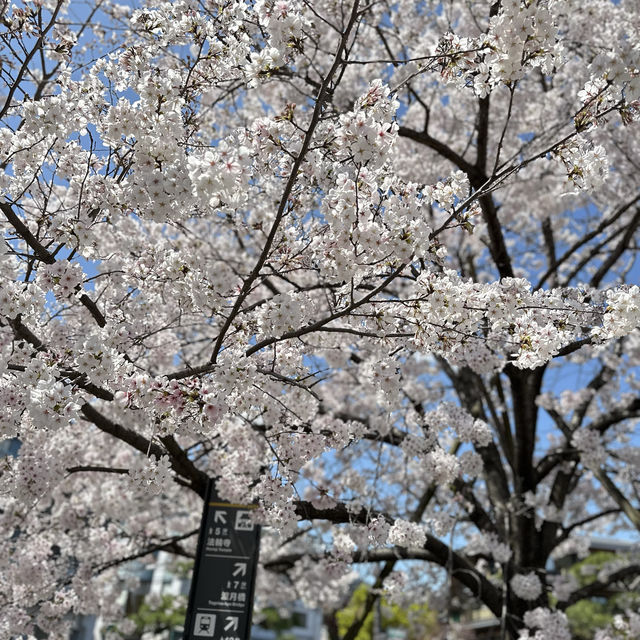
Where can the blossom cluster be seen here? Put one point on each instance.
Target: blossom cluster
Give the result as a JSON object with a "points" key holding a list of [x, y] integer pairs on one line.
{"points": [[367, 133], [588, 442], [406, 534], [284, 245], [586, 163], [284, 22], [548, 625], [150, 476], [622, 314], [526, 586], [489, 543], [522, 36], [64, 278], [515, 323]]}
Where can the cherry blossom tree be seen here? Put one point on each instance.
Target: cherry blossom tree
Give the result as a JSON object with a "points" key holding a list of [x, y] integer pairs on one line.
{"points": [[368, 264]]}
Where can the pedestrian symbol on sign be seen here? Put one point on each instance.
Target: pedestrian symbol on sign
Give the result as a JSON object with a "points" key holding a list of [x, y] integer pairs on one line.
{"points": [[244, 522], [204, 626]]}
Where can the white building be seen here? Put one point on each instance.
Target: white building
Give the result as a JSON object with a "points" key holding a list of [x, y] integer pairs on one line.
{"points": [[157, 579]]}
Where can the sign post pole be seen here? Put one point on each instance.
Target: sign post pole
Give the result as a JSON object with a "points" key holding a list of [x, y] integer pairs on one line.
{"points": [[224, 573]]}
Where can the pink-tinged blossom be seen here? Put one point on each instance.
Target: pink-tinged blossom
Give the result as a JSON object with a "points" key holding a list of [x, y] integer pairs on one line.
{"points": [[370, 269]]}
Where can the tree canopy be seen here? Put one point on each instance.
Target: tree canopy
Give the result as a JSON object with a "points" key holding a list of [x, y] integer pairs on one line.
{"points": [[368, 264]]}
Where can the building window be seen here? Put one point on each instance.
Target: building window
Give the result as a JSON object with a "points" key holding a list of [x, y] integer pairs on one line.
{"points": [[299, 619]]}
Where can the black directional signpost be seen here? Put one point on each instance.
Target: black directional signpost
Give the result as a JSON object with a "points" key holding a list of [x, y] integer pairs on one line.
{"points": [[221, 595]]}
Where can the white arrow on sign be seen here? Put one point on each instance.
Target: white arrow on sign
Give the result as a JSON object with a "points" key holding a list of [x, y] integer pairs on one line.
{"points": [[232, 623], [220, 516], [239, 568]]}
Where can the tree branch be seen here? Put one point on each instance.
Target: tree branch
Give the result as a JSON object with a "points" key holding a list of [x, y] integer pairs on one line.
{"points": [[475, 175], [600, 587], [197, 479], [629, 510], [45, 256], [434, 550], [293, 176]]}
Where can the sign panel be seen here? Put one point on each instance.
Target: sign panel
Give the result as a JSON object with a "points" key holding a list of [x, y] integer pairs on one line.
{"points": [[221, 595]]}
